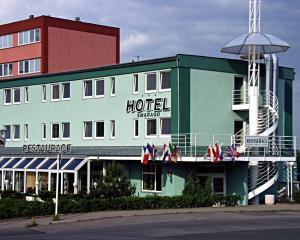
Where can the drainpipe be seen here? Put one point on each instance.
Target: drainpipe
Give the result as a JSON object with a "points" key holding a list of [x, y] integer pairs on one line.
{"points": [[269, 76], [178, 101]]}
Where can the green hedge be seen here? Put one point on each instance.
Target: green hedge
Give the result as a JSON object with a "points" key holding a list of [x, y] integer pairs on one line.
{"points": [[13, 208], [297, 196]]}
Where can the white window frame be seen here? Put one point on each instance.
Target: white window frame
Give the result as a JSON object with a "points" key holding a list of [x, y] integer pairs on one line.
{"points": [[112, 86], [96, 129], [95, 90], [146, 82], [112, 129], [51, 132], [83, 88], [11, 96], [134, 128], [56, 99], [26, 94], [215, 175], [44, 93], [62, 131], [160, 127], [135, 81], [160, 82], [14, 131], [155, 180], [8, 39], [10, 132], [146, 127], [26, 129], [30, 62], [83, 132], [44, 131], [6, 65], [63, 89], [27, 32]]}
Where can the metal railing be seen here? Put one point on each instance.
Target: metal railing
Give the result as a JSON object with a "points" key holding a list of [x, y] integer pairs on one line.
{"points": [[196, 145], [240, 97]]}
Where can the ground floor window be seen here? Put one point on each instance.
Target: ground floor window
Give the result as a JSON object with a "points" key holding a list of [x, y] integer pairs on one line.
{"points": [[152, 177], [217, 183]]}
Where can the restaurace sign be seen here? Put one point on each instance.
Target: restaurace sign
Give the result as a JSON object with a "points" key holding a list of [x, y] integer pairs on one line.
{"points": [[47, 148], [147, 107], [256, 141]]}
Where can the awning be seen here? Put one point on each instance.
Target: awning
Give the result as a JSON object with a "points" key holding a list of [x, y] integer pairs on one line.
{"points": [[41, 164]]}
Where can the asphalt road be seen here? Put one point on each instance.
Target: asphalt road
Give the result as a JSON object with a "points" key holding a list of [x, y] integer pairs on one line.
{"points": [[224, 225]]}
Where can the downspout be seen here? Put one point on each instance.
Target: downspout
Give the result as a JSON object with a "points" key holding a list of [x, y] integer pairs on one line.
{"points": [[178, 101], [275, 75], [269, 76]]}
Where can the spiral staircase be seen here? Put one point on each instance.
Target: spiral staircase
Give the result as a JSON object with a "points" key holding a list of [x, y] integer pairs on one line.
{"points": [[267, 173]]}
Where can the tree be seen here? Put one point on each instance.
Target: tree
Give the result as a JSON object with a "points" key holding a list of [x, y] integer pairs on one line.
{"points": [[115, 183]]}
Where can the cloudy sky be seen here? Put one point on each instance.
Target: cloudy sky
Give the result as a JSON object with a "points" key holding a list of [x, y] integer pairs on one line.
{"points": [[159, 28]]}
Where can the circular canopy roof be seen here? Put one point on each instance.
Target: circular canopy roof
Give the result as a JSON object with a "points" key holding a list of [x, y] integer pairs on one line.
{"points": [[264, 43]]}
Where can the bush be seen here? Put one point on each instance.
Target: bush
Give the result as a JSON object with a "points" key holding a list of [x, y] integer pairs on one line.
{"points": [[12, 194], [296, 196]]}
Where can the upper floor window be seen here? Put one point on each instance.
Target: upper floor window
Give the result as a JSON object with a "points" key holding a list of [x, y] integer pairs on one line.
{"points": [[151, 82], [6, 69], [113, 87], [44, 131], [25, 132], [66, 130], [165, 81], [150, 127], [54, 92], [7, 96], [16, 132], [113, 128], [88, 88], [100, 88], [16, 95], [30, 66], [6, 41], [30, 36], [88, 129], [55, 131], [136, 128], [44, 93], [7, 132], [66, 91], [100, 129], [165, 126], [26, 94], [135, 83]]}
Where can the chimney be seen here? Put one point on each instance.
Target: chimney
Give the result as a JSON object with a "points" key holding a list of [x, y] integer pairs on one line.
{"points": [[77, 19], [31, 16]]}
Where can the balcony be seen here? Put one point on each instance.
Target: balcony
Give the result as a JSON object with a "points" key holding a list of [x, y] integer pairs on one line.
{"points": [[240, 100], [193, 147]]}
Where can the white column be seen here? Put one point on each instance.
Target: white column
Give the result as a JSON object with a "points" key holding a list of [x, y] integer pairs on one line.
{"points": [[75, 184], [2, 185], [13, 180], [288, 180], [25, 181], [36, 183], [62, 183], [88, 176], [49, 181]]}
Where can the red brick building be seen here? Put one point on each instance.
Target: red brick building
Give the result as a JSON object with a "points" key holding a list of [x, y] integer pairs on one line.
{"points": [[46, 44]]}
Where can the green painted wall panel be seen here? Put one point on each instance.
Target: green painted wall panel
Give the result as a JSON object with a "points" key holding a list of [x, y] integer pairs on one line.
{"points": [[288, 108]]}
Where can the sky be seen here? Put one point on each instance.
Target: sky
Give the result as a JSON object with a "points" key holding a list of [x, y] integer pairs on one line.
{"points": [[160, 28]]}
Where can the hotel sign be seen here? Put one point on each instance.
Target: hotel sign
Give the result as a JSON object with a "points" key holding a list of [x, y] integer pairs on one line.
{"points": [[147, 107], [256, 141], [47, 148]]}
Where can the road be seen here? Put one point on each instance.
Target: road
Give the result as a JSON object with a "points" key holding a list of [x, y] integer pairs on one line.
{"points": [[216, 225]]}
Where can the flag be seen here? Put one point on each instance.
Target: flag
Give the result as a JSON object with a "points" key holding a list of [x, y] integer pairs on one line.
{"points": [[145, 156], [175, 154], [150, 150], [165, 152], [208, 154], [216, 152], [220, 153], [171, 151], [232, 152]]}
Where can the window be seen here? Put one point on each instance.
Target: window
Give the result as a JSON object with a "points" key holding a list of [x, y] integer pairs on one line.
{"points": [[165, 81], [6, 69], [113, 129], [55, 131], [30, 36], [29, 66], [100, 129], [66, 91], [55, 92], [88, 129], [44, 93], [217, 182], [136, 128], [135, 83], [16, 132], [7, 132], [152, 177], [150, 127], [16, 97], [99, 88], [25, 132], [6, 41], [44, 131], [151, 82], [66, 130], [165, 126], [88, 88], [7, 96], [113, 87], [26, 97]]}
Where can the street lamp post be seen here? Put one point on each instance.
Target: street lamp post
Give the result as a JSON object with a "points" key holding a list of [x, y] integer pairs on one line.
{"points": [[57, 183]]}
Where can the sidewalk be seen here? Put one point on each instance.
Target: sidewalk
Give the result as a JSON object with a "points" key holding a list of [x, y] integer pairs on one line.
{"points": [[67, 218]]}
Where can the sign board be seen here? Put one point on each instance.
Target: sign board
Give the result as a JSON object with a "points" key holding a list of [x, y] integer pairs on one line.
{"points": [[256, 141], [47, 148]]}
